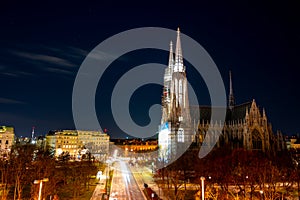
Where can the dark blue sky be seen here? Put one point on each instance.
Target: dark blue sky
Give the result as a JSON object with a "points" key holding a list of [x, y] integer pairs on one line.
{"points": [[42, 45]]}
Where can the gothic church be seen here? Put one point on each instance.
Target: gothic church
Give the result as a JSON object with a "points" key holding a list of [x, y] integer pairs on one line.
{"points": [[245, 126]]}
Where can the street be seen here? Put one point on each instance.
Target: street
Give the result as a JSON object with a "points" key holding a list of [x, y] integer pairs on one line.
{"points": [[124, 185]]}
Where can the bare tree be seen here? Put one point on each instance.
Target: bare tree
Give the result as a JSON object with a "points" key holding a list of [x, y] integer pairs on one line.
{"points": [[44, 166], [5, 177]]}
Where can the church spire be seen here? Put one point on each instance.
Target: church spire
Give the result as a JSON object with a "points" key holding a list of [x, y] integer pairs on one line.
{"points": [[171, 56], [231, 97], [264, 114], [178, 67]]}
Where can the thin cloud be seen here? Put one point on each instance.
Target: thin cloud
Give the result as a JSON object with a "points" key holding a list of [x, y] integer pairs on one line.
{"points": [[57, 70], [45, 58], [22, 73], [9, 74], [77, 51], [16, 74], [59, 60], [10, 101], [100, 55], [67, 51]]}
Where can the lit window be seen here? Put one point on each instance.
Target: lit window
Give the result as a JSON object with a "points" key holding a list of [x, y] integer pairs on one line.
{"points": [[180, 92], [180, 135]]}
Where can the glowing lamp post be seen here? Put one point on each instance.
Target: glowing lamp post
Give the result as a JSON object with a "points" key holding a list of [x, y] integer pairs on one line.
{"points": [[41, 185], [261, 194], [202, 186]]}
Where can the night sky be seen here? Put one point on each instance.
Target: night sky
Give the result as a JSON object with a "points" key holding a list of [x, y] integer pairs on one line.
{"points": [[43, 44]]}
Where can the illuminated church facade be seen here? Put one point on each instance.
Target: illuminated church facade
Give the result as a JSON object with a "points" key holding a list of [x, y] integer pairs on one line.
{"points": [[245, 126]]}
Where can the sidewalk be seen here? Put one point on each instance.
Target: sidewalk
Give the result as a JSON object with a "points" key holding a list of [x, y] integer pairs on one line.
{"points": [[100, 189], [144, 175]]}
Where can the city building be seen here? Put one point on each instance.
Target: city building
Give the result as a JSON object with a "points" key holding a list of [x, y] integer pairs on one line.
{"points": [[96, 142], [7, 139], [77, 141], [293, 145], [245, 126], [292, 142], [64, 141], [136, 145]]}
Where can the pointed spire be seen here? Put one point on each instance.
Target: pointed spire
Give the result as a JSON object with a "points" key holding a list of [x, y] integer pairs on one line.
{"points": [[264, 114], [231, 97], [253, 105], [178, 55], [231, 90], [171, 56]]}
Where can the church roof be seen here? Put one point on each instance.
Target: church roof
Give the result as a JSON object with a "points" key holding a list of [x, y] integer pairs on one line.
{"points": [[238, 112]]}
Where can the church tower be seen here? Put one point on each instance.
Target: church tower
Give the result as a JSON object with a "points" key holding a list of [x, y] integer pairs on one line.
{"points": [[180, 112], [166, 99], [175, 133]]}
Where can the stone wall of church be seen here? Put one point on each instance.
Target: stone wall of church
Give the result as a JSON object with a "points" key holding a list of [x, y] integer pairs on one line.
{"points": [[253, 132]]}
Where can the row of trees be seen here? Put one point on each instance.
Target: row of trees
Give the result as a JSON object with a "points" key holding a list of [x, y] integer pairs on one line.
{"points": [[232, 174], [27, 163]]}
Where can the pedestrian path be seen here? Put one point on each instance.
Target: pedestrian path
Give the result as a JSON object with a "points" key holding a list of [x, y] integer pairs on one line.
{"points": [[100, 190]]}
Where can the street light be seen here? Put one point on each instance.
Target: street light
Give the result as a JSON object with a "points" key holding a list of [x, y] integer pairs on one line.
{"points": [[245, 192], [202, 186], [261, 193], [41, 185]]}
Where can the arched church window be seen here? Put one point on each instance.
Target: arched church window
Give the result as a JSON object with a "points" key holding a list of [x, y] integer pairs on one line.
{"points": [[256, 140]]}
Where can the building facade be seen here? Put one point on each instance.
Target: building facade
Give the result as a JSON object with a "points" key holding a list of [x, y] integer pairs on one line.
{"points": [[96, 142], [293, 142], [136, 145], [64, 141], [74, 141], [7, 139], [245, 126]]}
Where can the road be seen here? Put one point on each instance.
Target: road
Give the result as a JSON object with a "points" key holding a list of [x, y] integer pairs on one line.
{"points": [[143, 175], [124, 185]]}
